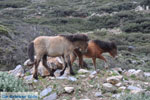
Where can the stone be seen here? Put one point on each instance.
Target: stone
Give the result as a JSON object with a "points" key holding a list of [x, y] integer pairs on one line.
{"points": [[29, 79], [119, 70], [93, 73], [53, 63], [98, 94], [51, 97], [84, 99], [83, 71], [146, 74], [134, 88], [57, 73], [83, 76], [114, 79], [117, 96], [109, 87], [69, 89], [91, 76], [118, 84], [138, 73], [45, 92], [18, 71], [70, 78], [137, 91], [122, 88]]}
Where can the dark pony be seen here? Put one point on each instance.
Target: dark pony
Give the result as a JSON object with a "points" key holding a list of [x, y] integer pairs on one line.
{"points": [[53, 46], [95, 50]]}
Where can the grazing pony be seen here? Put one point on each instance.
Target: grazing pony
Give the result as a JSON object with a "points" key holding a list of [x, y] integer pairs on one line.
{"points": [[95, 50], [53, 46]]}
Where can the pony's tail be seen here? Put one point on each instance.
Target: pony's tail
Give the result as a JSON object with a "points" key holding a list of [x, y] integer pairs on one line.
{"points": [[31, 51]]}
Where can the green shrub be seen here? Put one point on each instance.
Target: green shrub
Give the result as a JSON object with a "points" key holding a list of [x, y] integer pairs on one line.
{"points": [[13, 3], [4, 30], [118, 7], [9, 83], [135, 97]]}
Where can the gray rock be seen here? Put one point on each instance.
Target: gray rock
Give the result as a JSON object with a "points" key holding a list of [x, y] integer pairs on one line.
{"points": [[83, 71], [70, 78], [51, 97], [117, 96], [146, 74], [45, 92], [98, 94], [114, 79], [133, 88], [18, 71], [69, 89], [109, 87], [138, 73]]}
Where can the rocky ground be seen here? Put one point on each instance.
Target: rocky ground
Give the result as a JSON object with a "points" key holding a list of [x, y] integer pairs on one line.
{"points": [[102, 84]]}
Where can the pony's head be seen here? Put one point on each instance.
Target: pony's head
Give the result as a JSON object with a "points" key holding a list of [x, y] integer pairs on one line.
{"points": [[113, 51]]}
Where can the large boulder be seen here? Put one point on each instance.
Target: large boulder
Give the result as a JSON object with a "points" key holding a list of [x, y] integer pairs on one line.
{"points": [[114, 79], [52, 62], [18, 71], [109, 87]]}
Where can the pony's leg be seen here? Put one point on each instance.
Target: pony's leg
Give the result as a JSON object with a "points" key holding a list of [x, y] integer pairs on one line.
{"points": [[106, 65], [72, 58], [44, 61], [65, 66], [80, 61], [69, 63], [94, 62], [35, 74]]}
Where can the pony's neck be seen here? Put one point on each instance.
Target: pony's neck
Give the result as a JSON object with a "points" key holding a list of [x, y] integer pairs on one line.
{"points": [[76, 44]]}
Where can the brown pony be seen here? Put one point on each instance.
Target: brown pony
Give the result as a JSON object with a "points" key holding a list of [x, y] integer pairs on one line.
{"points": [[53, 46], [95, 50]]}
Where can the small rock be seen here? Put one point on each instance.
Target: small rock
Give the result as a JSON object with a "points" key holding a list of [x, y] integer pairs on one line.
{"points": [[83, 71], [84, 99], [146, 74], [114, 79], [69, 89], [57, 73], [137, 91], [138, 73], [117, 96], [134, 88], [109, 87], [61, 77], [27, 62], [93, 73], [98, 94], [119, 70], [83, 76], [70, 78], [118, 84], [122, 88], [91, 76], [45, 92], [51, 97]]}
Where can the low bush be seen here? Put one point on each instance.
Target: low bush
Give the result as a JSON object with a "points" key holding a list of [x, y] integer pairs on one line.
{"points": [[135, 97], [9, 83]]}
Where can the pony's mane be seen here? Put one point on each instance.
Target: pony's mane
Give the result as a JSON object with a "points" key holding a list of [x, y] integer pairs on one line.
{"points": [[76, 37], [107, 46]]}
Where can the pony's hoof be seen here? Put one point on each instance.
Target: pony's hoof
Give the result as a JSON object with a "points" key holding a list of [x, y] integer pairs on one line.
{"points": [[106, 67], [61, 73], [35, 77], [72, 73], [52, 74]]}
